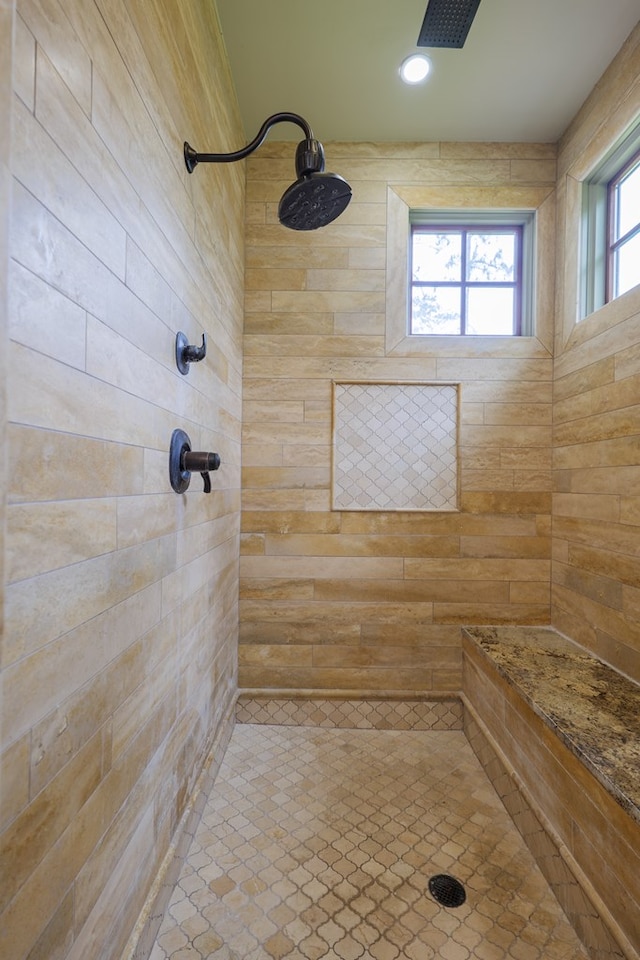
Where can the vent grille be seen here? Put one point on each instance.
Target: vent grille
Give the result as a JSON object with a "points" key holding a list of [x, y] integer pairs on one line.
{"points": [[447, 22]]}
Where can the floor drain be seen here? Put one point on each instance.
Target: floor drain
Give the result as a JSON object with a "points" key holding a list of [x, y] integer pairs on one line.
{"points": [[447, 890]]}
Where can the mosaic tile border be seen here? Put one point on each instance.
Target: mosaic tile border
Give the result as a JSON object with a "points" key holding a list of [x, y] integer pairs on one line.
{"points": [[582, 913], [356, 714]]}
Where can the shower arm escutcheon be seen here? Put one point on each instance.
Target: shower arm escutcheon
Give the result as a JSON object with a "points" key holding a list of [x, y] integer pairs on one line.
{"points": [[183, 461]]}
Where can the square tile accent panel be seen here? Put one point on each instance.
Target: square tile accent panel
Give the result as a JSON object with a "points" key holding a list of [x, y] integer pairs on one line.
{"points": [[395, 446]]}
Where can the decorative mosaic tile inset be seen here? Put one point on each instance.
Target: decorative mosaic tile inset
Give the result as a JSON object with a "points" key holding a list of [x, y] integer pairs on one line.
{"points": [[352, 714], [319, 845], [395, 446]]}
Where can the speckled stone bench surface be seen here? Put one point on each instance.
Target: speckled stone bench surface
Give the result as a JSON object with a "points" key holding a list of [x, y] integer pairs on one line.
{"points": [[594, 710]]}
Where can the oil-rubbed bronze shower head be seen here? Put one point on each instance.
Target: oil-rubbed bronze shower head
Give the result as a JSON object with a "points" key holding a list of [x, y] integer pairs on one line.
{"points": [[315, 199]]}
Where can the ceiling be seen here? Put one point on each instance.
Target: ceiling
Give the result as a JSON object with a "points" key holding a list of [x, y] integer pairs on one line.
{"points": [[524, 71]]}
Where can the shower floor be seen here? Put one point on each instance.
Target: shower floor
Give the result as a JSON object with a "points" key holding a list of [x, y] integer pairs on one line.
{"points": [[319, 843]]}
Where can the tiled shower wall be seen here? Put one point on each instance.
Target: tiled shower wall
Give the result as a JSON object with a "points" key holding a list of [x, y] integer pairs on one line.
{"points": [[596, 501], [6, 57], [119, 654], [373, 601]]}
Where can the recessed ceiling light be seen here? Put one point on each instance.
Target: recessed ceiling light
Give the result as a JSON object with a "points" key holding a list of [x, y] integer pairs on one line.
{"points": [[415, 68]]}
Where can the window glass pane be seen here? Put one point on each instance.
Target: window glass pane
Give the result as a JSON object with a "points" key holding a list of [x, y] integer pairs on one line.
{"points": [[626, 266], [490, 311], [491, 256], [436, 256], [436, 310], [628, 202]]}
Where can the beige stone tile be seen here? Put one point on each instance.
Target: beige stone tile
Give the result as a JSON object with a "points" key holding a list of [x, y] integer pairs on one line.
{"points": [[512, 503], [144, 518], [470, 569], [325, 568], [63, 47], [339, 236], [14, 779], [301, 454], [530, 593], [290, 522], [275, 278], [346, 545], [263, 455], [60, 734], [24, 63], [295, 256], [39, 397], [488, 613], [515, 151], [286, 477], [73, 598], [310, 324], [291, 411], [517, 547], [587, 506], [43, 319], [71, 530], [365, 324], [281, 655], [52, 178], [276, 589], [45, 819], [272, 631], [352, 280], [48, 677], [300, 613], [56, 938], [532, 171]]}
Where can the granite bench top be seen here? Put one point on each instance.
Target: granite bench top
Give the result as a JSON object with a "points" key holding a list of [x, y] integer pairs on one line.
{"points": [[594, 710]]}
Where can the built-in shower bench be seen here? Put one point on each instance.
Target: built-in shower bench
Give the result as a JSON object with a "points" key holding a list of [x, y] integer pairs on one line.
{"points": [[558, 732]]}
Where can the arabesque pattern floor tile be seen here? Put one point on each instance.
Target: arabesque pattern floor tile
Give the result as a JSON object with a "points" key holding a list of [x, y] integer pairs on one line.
{"points": [[318, 844]]}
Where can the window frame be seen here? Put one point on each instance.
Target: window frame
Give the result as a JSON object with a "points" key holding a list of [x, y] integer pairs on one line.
{"points": [[433, 352], [484, 225], [489, 218], [594, 280], [614, 243]]}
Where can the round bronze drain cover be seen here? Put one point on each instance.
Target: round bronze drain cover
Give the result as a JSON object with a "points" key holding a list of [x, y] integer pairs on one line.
{"points": [[447, 890]]}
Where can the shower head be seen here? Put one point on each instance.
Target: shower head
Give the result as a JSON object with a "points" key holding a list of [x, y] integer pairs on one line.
{"points": [[315, 199]]}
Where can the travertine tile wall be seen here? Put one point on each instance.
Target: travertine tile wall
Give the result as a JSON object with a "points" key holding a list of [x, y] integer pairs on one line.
{"points": [[596, 501], [374, 601], [6, 59], [119, 657]]}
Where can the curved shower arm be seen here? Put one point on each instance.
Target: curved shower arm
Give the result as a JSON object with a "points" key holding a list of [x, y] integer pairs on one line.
{"points": [[191, 157]]}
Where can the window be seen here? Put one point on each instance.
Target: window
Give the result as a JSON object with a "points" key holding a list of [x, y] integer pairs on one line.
{"points": [[531, 207], [469, 278], [623, 261], [610, 250]]}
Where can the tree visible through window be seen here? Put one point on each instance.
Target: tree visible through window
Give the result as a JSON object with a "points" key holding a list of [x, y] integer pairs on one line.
{"points": [[466, 280]]}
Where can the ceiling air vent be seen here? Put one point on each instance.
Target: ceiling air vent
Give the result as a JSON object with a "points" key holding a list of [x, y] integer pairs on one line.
{"points": [[447, 23]]}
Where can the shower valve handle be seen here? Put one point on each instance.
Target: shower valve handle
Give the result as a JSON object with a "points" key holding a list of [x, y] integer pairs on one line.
{"points": [[187, 353], [183, 461]]}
